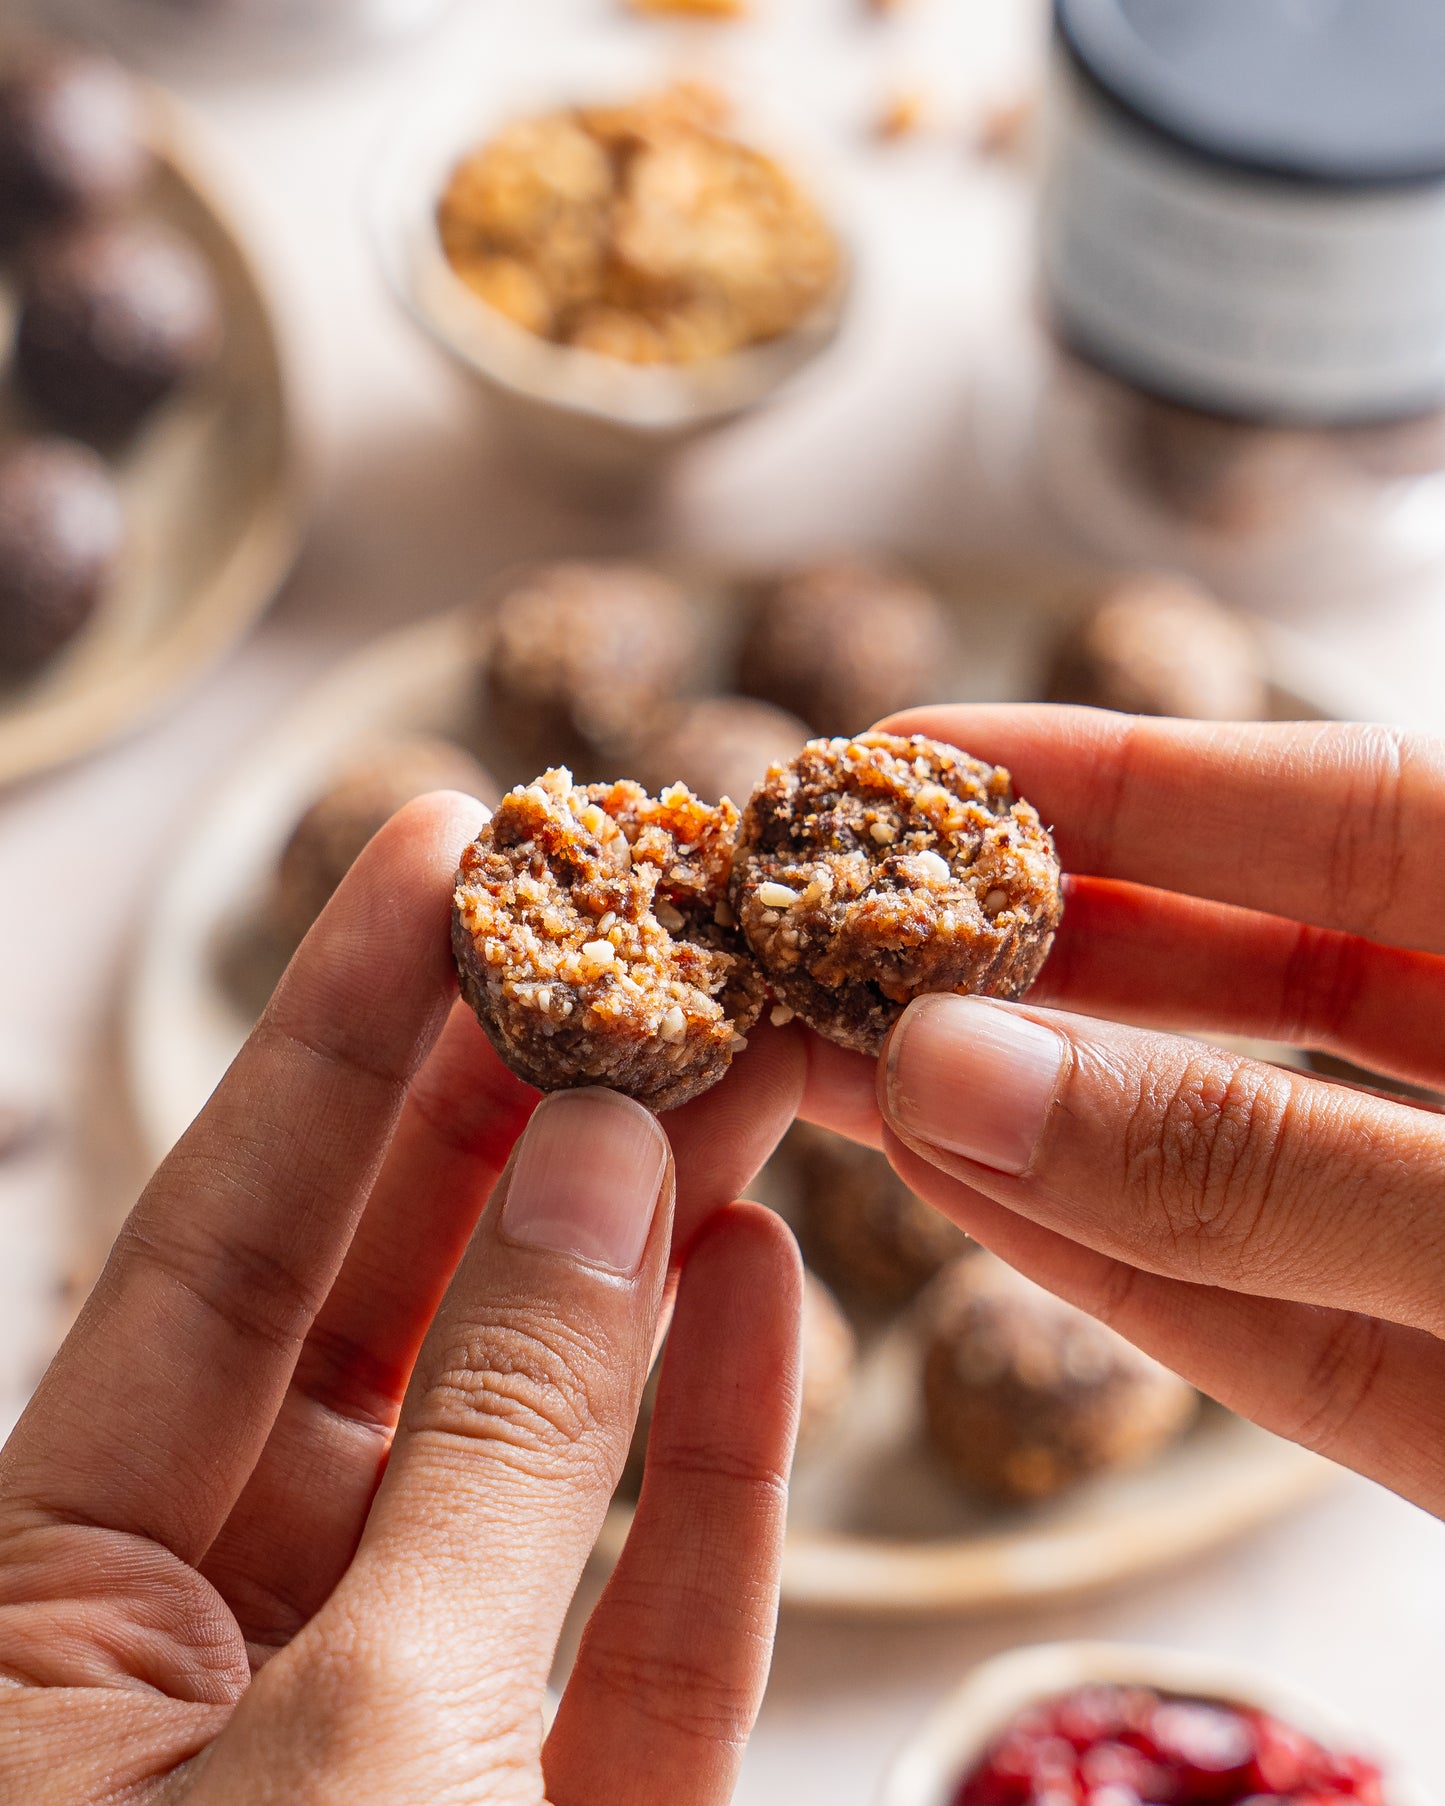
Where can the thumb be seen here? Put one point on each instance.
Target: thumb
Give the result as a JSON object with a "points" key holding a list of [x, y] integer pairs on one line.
{"points": [[511, 1440]]}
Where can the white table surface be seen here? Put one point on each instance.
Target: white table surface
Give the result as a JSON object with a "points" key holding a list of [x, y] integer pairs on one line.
{"points": [[417, 503]]}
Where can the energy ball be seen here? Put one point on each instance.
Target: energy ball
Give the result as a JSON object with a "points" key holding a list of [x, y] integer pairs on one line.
{"points": [[1024, 1396], [871, 871], [718, 746], [61, 535], [860, 1226], [113, 320], [579, 654], [1158, 645], [844, 643], [72, 140], [594, 942], [326, 841]]}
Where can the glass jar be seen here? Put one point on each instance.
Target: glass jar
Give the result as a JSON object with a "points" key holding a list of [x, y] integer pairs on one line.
{"points": [[1242, 263]]}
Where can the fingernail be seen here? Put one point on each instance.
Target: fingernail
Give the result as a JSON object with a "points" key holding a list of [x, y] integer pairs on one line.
{"points": [[972, 1077], [587, 1177]]}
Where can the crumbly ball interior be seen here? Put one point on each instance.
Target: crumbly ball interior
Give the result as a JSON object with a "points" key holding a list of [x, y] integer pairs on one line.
{"points": [[595, 943], [1025, 1395], [872, 870]]}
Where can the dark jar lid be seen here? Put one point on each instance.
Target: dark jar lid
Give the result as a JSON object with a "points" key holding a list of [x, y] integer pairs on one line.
{"points": [[1333, 91]]}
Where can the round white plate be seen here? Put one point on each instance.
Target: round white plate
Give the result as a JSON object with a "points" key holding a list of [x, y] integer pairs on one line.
{"points": [[873, 1528]]}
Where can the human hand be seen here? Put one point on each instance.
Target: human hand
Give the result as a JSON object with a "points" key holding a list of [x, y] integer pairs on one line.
{"points": [[297, 1512], [1275, 1238]]}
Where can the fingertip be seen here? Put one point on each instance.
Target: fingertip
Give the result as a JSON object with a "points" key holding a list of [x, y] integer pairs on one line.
{"points": [[751, 1238]]}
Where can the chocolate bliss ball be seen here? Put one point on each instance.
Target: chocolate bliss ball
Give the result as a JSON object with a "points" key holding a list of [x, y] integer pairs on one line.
{"points": [[61, 530]]}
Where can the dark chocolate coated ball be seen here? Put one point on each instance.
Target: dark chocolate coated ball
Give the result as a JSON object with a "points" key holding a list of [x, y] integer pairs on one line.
{"points": [[61, 529], [113, 319], [72, 140]]}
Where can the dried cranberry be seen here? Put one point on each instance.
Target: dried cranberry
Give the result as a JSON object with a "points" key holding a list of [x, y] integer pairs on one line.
{"points": [[1025, 1766], [1284, 1758], [1128, 1746], [1120, 1765], [1095, 1714], [1209, 1749]]}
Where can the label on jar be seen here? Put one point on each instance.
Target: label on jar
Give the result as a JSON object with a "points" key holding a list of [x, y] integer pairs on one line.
{"points": [[1234, 291]]}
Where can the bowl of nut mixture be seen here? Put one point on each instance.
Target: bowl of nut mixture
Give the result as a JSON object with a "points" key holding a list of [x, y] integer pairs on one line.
{"points": [[622, 273]]}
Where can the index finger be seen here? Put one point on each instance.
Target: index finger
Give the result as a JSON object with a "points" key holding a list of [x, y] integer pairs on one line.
{"points": [[1339, 825]]}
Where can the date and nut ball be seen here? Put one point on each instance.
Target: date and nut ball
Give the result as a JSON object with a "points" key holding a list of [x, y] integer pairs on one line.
{"points": [[113, 320], [718, 746], [870, 871], [594, 942], [72, 140], [842, 643], [1154, 644], [859, 1225], [62, 531], [380, 778], [1024, 1396], [578, 654]]}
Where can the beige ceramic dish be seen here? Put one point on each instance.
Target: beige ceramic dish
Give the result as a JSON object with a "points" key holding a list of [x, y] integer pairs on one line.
{"points": [[874, 1528], [214, 503], [927, 1771], [597, 417]]}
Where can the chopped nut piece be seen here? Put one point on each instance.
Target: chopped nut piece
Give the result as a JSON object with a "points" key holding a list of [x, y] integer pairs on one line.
{"points": [[778, 896]]}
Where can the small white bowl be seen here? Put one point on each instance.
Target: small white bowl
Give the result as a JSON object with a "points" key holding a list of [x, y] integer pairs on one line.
{"points": [[599, 415], [928, 1769]]}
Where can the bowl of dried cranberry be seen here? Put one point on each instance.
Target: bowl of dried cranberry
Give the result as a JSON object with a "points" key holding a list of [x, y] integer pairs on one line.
{"points": [[1105, 1724]]}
